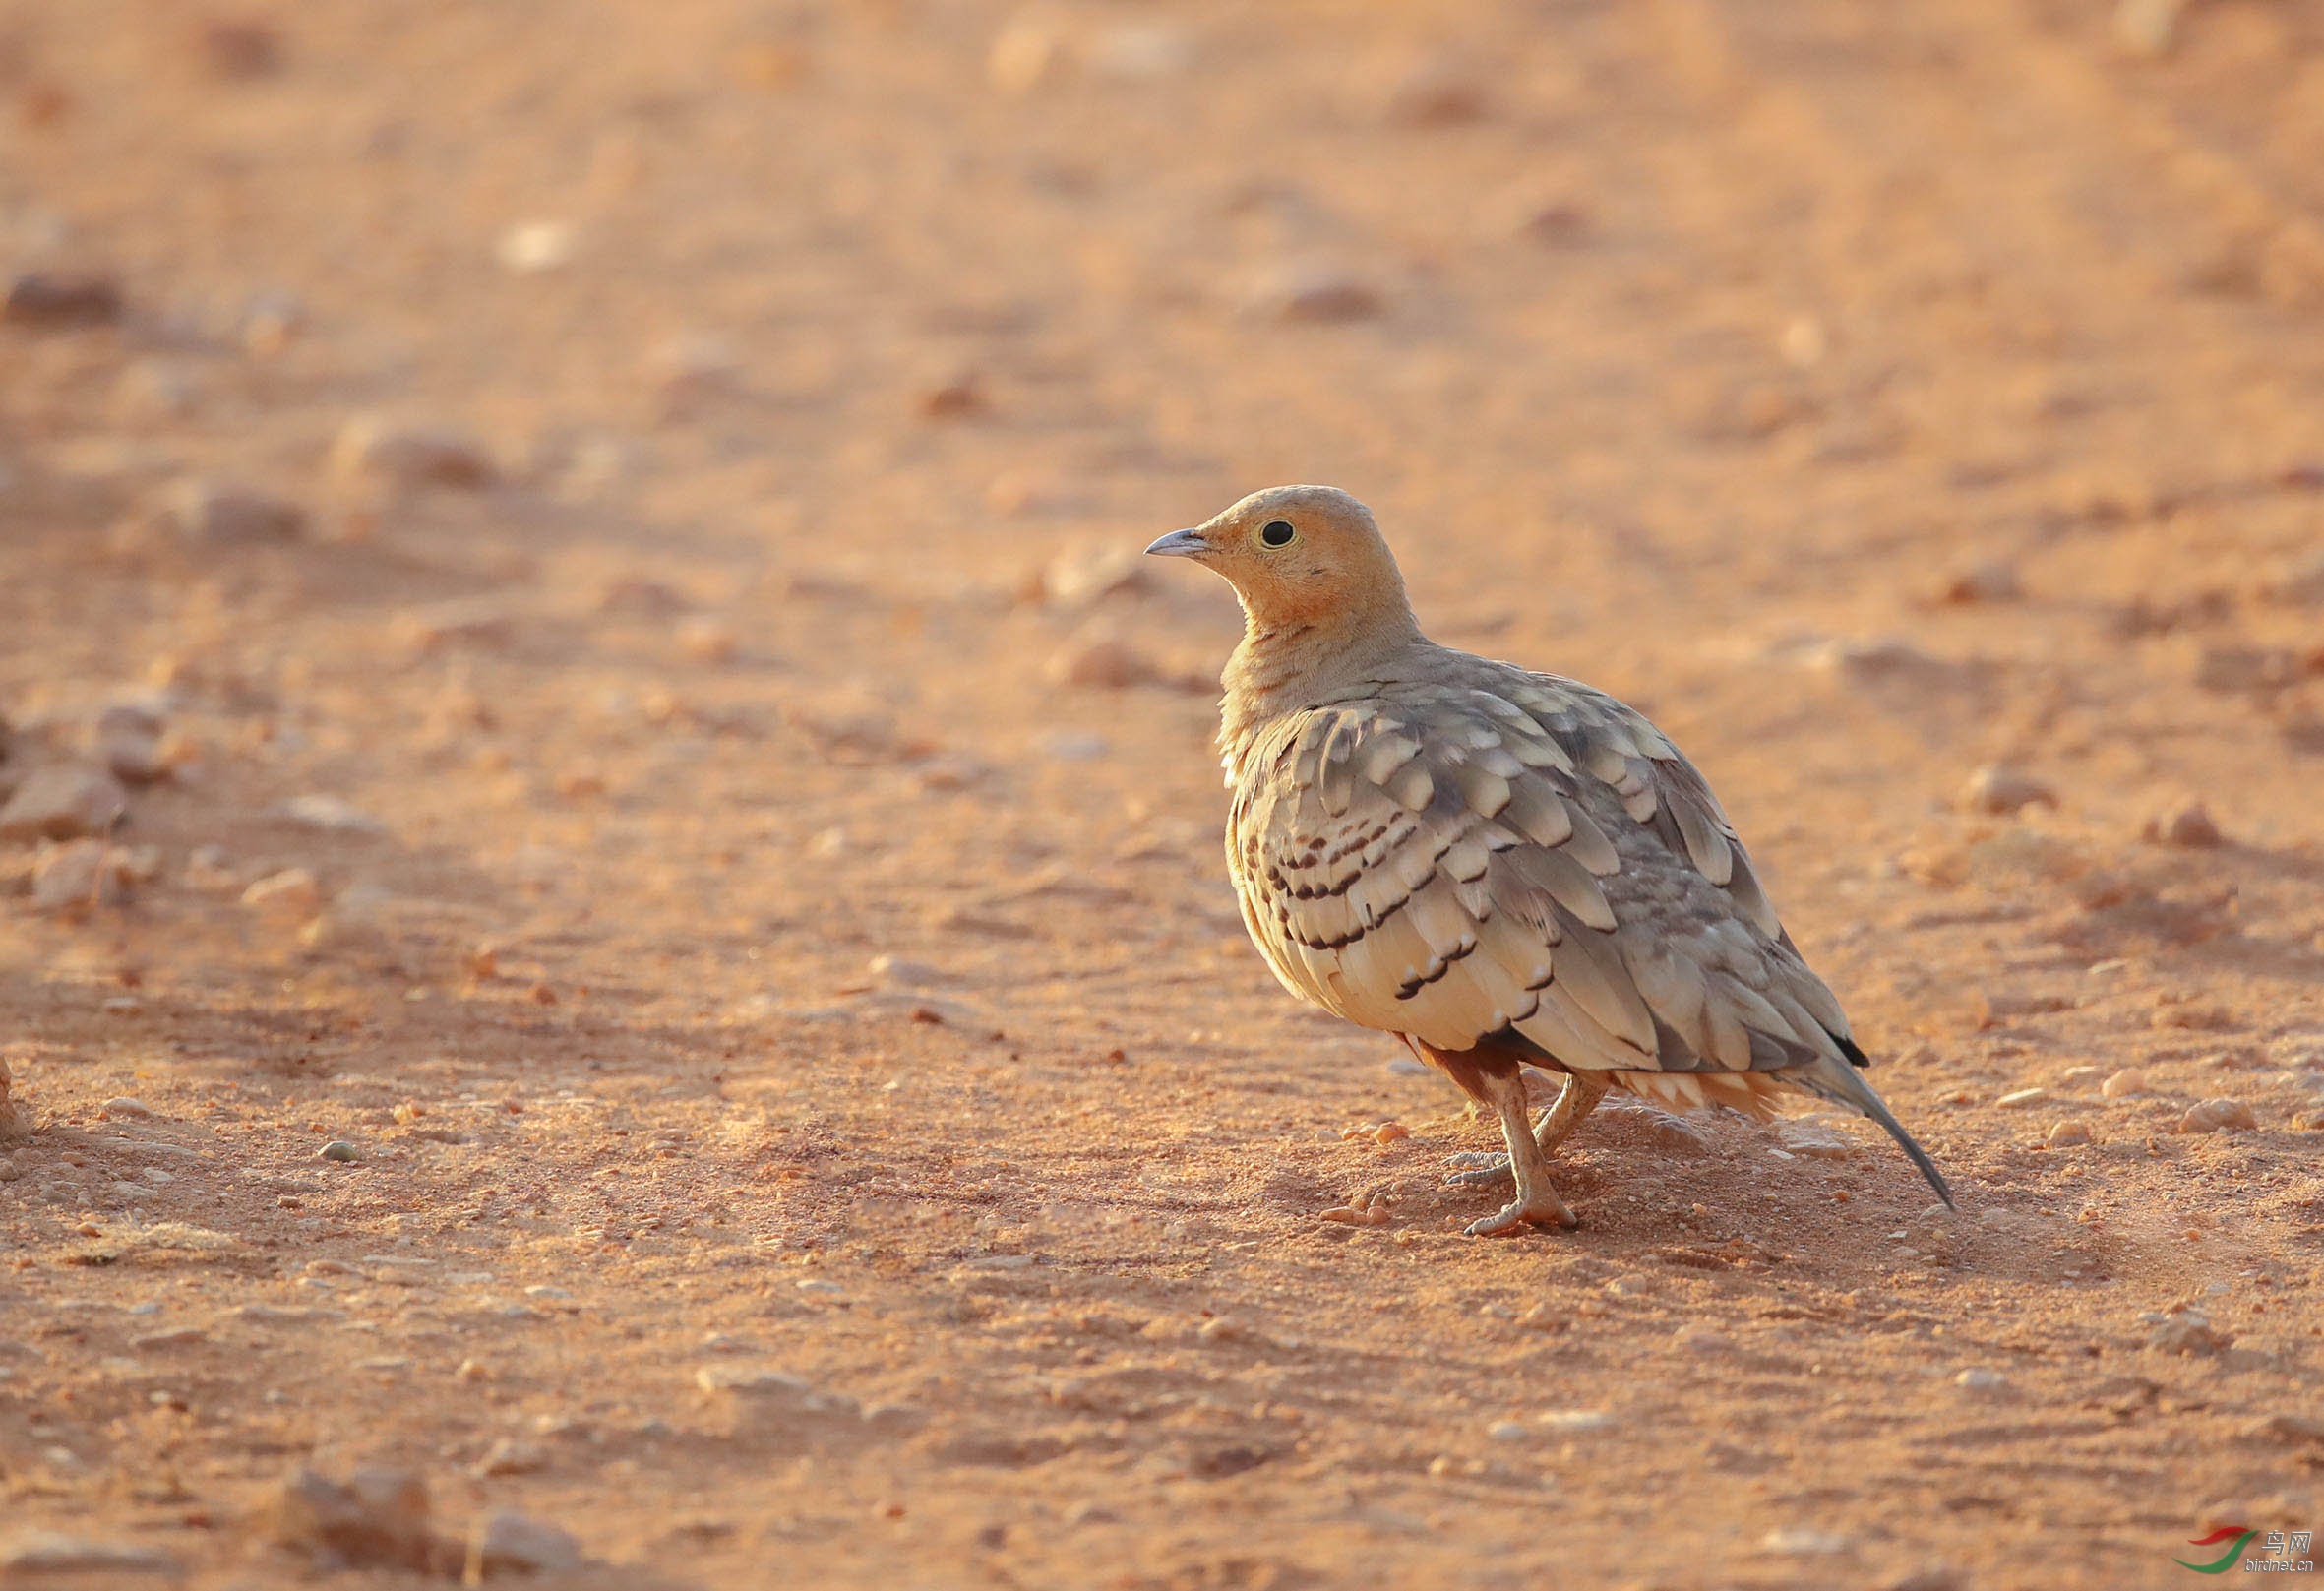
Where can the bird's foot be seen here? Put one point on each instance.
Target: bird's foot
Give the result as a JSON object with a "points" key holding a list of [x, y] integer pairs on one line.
{"points": [[1478, 1169], [1545, 1209]]}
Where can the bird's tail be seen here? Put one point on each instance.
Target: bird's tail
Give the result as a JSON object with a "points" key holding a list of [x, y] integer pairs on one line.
{"points": [[1843, 1084]]}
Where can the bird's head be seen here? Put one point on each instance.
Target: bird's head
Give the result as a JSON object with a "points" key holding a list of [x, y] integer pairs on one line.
{"points": [[1297, 555]]}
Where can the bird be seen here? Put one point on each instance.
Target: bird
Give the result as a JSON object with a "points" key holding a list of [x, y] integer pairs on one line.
{"points": [[1504, 869]]}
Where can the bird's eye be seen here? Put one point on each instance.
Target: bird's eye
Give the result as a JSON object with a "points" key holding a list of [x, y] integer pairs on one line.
{"points": [[1277, 533]]}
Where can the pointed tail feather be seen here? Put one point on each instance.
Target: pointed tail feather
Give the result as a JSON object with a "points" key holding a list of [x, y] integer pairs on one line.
{"points": [[1843, 1086]]}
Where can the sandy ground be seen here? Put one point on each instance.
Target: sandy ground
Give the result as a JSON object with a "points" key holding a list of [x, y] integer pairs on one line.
{"points": [[813, 1118]]}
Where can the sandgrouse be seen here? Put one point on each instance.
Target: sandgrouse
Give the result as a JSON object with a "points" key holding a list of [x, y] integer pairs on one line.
{"points": [[1501, 868]]}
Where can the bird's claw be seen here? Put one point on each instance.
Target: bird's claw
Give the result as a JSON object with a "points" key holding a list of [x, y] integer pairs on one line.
{"points": [[1518, 1216]]}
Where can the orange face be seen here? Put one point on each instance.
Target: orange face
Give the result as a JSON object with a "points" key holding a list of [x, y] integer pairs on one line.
{"points": [[1293, 553]]}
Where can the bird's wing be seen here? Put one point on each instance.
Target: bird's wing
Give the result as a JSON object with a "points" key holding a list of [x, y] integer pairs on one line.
{"points": [[1496, 854]]}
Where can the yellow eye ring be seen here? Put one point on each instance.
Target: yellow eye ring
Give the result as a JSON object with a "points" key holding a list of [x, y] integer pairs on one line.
{"points": [[1277, 533]]}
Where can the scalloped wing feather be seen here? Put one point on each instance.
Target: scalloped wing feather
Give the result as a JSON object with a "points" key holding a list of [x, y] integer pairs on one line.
{"points": [[1478, 850]]}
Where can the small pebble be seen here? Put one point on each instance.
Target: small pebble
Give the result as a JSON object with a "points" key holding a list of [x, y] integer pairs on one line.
{"points": [[2002, 791], [180, 1337], [1814, 1142], [2068, 1133], [511, 1544], [127, 1108], [74, 878], [691, 367], [237, 50], [1980, 1380], [410, 456], [904, 972], [57, 302], [338, 1149], [2190, 828], [2219, 1115], [62, 802], [129, 743], [2187, 1335], [1982, 582], [2021, 1097], [954, 397], [330, 814], [707, 640], [1506, 1431], [290, 895], [222, 514], [1793, 1541], [377, 1517], [2129, 1081], [509, 1456], [1103, 663], [533, 247], [1436, 93], [1082, 578], [1557, 223], [1318, 295]]}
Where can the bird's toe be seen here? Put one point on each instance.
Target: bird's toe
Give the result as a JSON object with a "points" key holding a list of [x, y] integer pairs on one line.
{"points": [[1518, 1216], [1511, 1220], [1478, 1170]]}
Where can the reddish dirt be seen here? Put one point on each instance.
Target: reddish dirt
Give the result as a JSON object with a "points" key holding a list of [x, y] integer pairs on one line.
{"points": [[1870, 393]]}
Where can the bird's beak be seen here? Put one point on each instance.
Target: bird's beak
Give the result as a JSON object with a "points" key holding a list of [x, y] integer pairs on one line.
{"points": [[1180, 544]]}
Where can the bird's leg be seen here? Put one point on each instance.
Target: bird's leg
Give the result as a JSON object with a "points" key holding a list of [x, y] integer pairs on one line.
{"points": [[1536, 1202], [1576, 1098]]}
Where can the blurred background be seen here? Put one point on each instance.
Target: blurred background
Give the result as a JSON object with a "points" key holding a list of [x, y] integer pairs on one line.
{"points": [[840, 280], [1671, 340]]}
